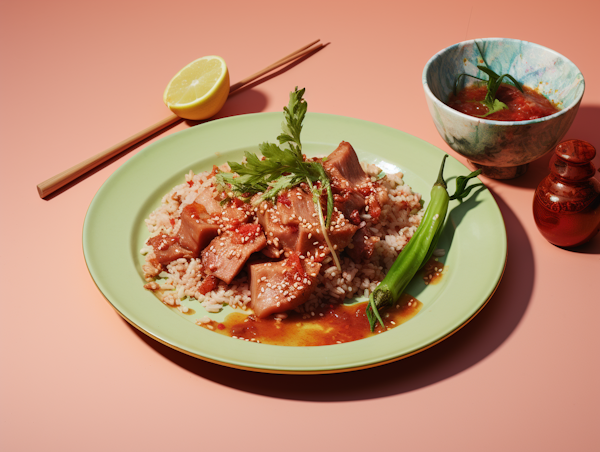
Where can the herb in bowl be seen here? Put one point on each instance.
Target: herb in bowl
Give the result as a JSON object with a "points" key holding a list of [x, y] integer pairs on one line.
{"points": [[499, 98]]}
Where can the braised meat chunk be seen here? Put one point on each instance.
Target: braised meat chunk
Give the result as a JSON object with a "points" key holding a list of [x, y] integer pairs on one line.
{"points": [[363, 245], [296, 206], [167, 248], [208, 201], [282, 286], [344, 169], [196, 231], [311, 240], [225, 256], [280, 237], [350, 203]]}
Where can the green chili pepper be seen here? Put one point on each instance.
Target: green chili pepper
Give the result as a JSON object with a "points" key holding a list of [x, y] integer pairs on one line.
{"points": [[419, 248]]}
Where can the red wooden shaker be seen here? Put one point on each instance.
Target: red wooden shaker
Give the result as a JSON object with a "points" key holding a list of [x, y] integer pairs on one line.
{"points": [[566, 204]]}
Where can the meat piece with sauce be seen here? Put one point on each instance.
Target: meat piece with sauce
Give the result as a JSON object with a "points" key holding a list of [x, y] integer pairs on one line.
{"points": [[207, 200], [296, 206], [352, 187], [195, 232], [363, 245], [167, 248], [280, 237], [233, 216], [350, 203], [282, 286], [344, 169], [301, 234], [225, 256], [311, 241]]}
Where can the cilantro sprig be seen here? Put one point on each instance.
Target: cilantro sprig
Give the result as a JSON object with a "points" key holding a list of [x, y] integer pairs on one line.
{"points": [[283, 167], [493, 83]]}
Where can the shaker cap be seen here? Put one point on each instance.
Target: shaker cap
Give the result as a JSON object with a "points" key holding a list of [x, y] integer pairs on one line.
{"points": [[575, 151], [572, 160]]}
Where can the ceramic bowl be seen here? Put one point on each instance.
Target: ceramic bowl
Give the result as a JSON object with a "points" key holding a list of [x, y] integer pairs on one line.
{"points": [[502, 149]]}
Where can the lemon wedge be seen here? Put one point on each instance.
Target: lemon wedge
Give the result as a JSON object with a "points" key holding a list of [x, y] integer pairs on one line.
{"points": [[199, 90]]}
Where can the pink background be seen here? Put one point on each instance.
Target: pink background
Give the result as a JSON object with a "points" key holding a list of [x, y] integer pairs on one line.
{"points": [[77, 78]]}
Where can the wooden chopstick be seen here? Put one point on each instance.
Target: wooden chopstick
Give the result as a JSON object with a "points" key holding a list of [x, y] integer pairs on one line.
{"points": [[49, 186], [292, 56]]}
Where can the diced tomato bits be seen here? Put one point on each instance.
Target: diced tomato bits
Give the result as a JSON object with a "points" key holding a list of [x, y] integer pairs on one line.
{"points": [[365, 190], [247, 232], [172, 221], [374, 208], [283, 198], [294, 262], [355, 217], [208, 285], [214, 171], [237, 202], [190, 182], [249, 228]]}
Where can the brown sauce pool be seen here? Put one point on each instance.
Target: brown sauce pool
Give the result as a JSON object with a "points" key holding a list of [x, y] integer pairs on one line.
{"points": [[332, 324], [432, 271]]}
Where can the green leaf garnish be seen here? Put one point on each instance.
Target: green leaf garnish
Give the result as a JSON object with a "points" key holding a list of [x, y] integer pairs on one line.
{"points": [[493, 83], [283, 167]]}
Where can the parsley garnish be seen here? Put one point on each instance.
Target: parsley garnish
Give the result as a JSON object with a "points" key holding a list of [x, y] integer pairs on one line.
{"points": [[282, 168], [493, 83]]}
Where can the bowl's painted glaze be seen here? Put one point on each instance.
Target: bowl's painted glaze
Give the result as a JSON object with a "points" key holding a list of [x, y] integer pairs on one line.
{"points": [[503, 148]]}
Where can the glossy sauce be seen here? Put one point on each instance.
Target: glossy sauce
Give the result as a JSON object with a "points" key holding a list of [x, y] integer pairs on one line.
{"points": [[333, 324], [432, 271], [522, 106]]}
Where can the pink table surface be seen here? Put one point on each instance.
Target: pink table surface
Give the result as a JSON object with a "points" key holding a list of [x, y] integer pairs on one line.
{"points": [[77, 78]]}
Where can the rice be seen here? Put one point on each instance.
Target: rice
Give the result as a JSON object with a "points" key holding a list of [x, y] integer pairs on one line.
{"points": [[400, 216]]}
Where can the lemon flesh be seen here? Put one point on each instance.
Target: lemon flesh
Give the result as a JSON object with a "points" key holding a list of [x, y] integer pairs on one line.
{"points": [[199, 90]]}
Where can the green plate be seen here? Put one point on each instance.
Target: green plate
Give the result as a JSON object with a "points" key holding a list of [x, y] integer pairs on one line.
{"points": [[114, 232]]}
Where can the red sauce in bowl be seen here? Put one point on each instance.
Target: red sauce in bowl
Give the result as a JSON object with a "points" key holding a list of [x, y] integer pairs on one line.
{"points": [[522, 106]]}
